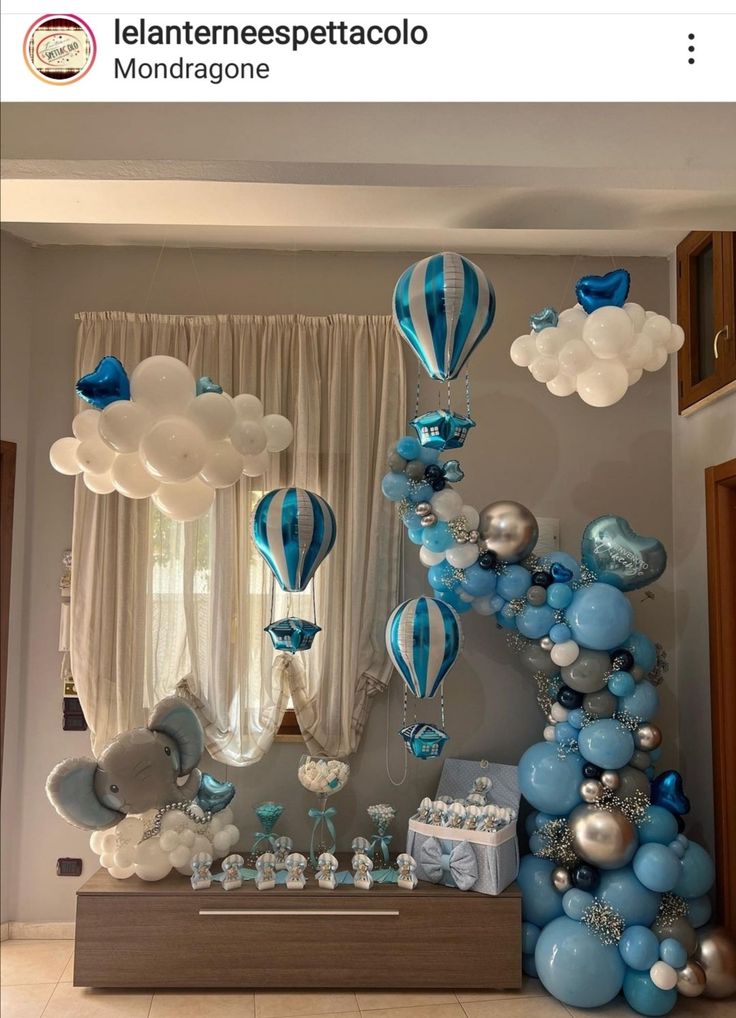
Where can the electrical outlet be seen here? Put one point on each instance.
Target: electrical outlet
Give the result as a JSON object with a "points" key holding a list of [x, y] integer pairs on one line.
{"points": [[68, 867]]}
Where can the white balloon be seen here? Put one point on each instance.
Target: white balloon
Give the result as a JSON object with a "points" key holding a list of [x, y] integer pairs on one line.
{"points": [[100, 484], [124, 856], [186, 501], [558, 712], [462, 555], [123, 424], [248, 407], [223, 465], [169, 840], [174, 449], [180, 856], [446, 504], [549, 733], [604, 383], [430, 558], [634, 375], [573, 319], [94, 456], [121, 872], [636, 314], [575, 357], [472, 516], [279, 432], [95, 841], [523, 351], [85, 424], [659, 328], [483, 605], [663, 975], [551, 340], [164, 385], [638, 353], [608, 331], [657, 360], [151, 863], [214, 413], [63, 456], [544, 368], [676, 339], [254, 466], [248, 437], [131, 478], [562, 385], [565, 653]]}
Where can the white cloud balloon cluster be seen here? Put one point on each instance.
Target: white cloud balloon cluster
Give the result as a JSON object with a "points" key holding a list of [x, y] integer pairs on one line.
{"points": [[123, 852], [598, 355], [170, 444]]}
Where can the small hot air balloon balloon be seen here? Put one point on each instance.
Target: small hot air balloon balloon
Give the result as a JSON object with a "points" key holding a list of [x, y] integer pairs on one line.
{"points": [[294, 530], [423, 638], [444, 305]]}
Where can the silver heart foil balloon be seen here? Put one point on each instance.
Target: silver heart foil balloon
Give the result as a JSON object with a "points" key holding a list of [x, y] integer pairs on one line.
{"points": [[619, 556]]}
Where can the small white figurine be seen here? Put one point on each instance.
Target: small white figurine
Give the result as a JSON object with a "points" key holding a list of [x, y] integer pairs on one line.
{"points": [[361, 845], [326, 869], [456, 815], [265, 866], [472, 813], [295, 866], [438, 816], [407, 872], [362, 875], [282, 846], [201, 874], [481, 787], [425, 810], [231, 872]]}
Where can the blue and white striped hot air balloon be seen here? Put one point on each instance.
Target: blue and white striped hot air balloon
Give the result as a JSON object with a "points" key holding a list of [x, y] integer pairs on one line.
{"points": [[294, 530], [444, 305], [423, 638]]}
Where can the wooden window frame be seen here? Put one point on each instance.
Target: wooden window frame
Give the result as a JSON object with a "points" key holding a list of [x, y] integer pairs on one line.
{"points": [[289, 730], [692, 395], [7, 497]]}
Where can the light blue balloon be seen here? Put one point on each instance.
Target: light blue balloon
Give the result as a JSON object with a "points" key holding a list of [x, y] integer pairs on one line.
{"points": [[656, 867], [575, 902], [643, 702], [548, 781], [621, 683], [564, 732], [441, 576], [437, 538], [576, 718], [535, 621], [639, 948], [395, 486], [643, 649], [636, 903], [673, 952], [575, 966], [606, 743], [529, 937], [699, 910], [506, 618], [513, 582], [408, 447], [559, 595], [450, 596], [697, 872], [564, 560], [415, 532], [427, 455], [479, 582], [497, 603], [658, 825], [600, 617], [530, 824], [421, 492], [540, 902], [646, 998], [560, 633]]}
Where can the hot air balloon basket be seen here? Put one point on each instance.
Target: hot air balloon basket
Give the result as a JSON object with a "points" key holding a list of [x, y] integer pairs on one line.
{"points": [[471, 860]]}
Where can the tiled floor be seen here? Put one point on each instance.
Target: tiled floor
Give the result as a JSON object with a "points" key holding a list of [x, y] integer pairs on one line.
{"points": [[36, 981]]}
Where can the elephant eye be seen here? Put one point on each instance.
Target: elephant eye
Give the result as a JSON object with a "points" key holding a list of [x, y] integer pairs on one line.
{"points": [[167, 751], [114, 789]]}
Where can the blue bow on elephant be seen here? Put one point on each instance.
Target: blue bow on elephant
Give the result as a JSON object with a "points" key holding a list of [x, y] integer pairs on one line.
{"points": [[443, 862]]}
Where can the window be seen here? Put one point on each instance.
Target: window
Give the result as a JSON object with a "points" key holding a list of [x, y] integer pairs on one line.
{"points": [[706, 301]]}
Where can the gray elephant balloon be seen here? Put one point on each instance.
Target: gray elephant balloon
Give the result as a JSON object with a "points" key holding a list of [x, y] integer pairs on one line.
{"points": [[509, 529], [137, 771]]}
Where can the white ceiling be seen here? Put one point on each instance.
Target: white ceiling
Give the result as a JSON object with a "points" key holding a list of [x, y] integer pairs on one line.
{"points": [[594, 179]]}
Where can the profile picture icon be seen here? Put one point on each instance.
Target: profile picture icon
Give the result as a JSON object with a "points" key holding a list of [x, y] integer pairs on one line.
{"points": [[59, 48]]}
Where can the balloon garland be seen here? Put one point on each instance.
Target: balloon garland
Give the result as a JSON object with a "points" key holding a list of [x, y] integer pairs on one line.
{"points": [[160, 434], [600, 347]]}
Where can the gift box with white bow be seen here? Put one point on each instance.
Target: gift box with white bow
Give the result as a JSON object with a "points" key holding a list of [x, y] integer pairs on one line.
{"points": [[486, 861]]}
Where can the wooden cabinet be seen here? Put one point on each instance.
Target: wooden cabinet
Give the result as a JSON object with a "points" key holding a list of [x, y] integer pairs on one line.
{"points": [[164, 934], [706, 309]]}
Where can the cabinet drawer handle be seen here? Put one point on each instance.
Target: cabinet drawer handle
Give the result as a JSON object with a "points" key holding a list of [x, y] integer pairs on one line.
{"points": [[298, 911], [721, 332]]}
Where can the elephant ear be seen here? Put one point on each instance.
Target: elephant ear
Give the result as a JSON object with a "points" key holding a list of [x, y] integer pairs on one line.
{"points": [[70, 788], [175, 718]]}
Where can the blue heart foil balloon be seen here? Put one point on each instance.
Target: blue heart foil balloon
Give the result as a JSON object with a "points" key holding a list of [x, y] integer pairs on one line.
{"points": [[560, 573], [452, 472], [547, 318], [667, 791], [205, 384], [107, 384], [621, 557], [213, 795], [595, 292]]}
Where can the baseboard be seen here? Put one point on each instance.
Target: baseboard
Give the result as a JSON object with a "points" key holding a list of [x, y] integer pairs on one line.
{"points": [[4, 932], [38, 931]]}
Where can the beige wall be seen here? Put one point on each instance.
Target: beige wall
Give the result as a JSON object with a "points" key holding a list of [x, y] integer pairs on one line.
{"points": [[559, 457]]}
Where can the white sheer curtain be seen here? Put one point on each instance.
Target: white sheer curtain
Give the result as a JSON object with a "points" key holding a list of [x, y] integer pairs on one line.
{"points": [[159, 606]]}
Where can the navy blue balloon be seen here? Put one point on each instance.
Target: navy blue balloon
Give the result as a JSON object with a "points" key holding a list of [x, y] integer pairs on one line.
{"points": [[575, 966], [667, 790], [618, 555], [611, 290], [107, 384]]}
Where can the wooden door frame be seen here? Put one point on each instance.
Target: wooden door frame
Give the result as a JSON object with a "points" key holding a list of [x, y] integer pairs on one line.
{"points": [[7, 497], [720, 501]]}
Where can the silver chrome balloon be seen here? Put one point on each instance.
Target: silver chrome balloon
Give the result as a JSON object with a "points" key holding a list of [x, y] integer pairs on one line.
{"points": [[611, 779], [602, 837], [509, 529], [691, 979], [640, 760], [647, 736], [561, 879], [591, 790], [716, 954], [546, 644]]}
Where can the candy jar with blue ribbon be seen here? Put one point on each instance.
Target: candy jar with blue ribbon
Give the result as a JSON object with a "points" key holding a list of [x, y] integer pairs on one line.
{"points": [[381, 814], [324, 777], [268, 813]]}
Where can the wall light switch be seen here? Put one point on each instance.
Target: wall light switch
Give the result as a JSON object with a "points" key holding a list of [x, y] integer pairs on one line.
{"points": [[549, 535]]}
